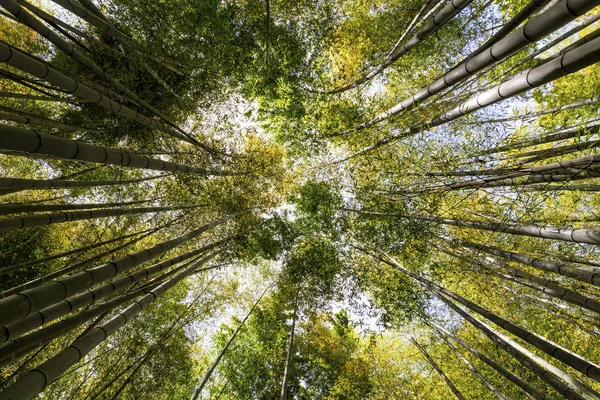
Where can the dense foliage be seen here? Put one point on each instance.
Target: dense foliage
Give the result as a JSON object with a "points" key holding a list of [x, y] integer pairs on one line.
{"points": [[349, 199]]}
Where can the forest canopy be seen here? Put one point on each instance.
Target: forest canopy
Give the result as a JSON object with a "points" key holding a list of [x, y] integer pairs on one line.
{"points": [[341, 199]]}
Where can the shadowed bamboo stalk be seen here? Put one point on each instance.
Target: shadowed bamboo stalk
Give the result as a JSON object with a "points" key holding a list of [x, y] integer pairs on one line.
{"points": [[14, 185], [530, 9], [39, 378], [141, 361], [35, 24], [523, 385], [73, 267], [564, 355], [289, 355], [28, 141], [38, 261], [524, 182], [89, 297], [58, 24], [546, 286], [20, 305], [536, 114], [475, 371], [527, 359], [550, 188], [89, 5], [556, 41], [538, 155], [28, 221], [111, 30], [535, 29], [11, 114], [23, 208], [502, 173], [437, 368], [577, 235], [585, 274], [418, 18], [23, 62], [577, 43], [38, 98], [34, 84], [37, 83], [570, 62], [214, 365], [19, 347], [555, 172], [446, 14], [579, 130], [554, 136]]}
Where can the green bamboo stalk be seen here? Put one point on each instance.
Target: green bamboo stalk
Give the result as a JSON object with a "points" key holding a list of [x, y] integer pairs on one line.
{"points": [[21, 305], [28, 141], [36, 380]]}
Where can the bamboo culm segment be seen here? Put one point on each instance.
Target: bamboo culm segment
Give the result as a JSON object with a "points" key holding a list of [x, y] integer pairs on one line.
{"points": [[20, 305], [577, 235], [584, 274], [30, 65], [562, 134], [448, 12], [27, 221], [523, 385], [21, 117], [549, 287], [88, 297], [547, 376], [559, 39], [214, 365], [535, 29], [22, 208], [566, 356], [475, 371], [37, 98], [28, 141], [106, 27], [72, 267], [13, 185], [68, 253], [37, 379], [431, 362], [570, 62], [68, 49], [14, 350], [527, 11]]}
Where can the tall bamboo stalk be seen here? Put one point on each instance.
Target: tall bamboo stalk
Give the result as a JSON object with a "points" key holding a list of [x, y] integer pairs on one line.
{"points": [[90, 296], [535, 29], [570, 62], [28, 141], [13, 185], [446, 14], [289, 356], [564, 355], [23, 62], [27, 221], [211, 369], [21, 305], [523, 385], [437, 368], [37, 379]]}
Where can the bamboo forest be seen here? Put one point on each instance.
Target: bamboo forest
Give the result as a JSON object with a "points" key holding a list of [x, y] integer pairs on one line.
{"points": [[308, 199]]}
